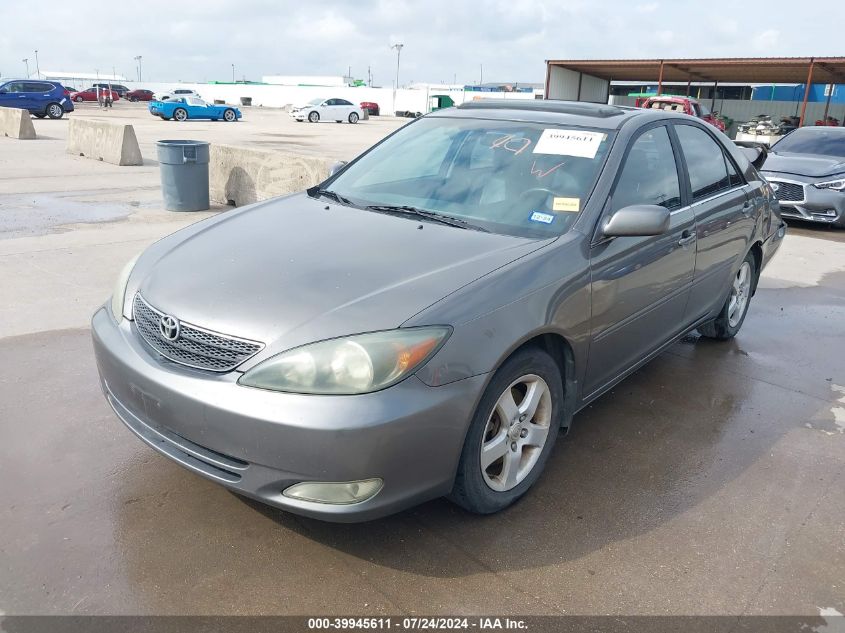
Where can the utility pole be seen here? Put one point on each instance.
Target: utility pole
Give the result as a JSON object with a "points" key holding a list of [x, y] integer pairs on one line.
{"points": [[455, 79], [233, 73], [137, 58], [369, 77], [37, 67], [25, 60], [481, 78]]}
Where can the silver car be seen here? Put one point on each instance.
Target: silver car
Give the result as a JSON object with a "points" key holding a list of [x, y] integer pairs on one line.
{"points": [[806, 170], [429, 319]]}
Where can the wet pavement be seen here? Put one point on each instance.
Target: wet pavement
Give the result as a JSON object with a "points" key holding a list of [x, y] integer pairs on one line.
{"points": [[712, 481]]}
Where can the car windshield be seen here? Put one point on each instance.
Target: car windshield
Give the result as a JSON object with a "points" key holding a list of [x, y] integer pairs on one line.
{"points": [[824, 142], [514, 177]]}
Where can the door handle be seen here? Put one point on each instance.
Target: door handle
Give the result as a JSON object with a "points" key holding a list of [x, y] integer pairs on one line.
{"points": [[747, 207], [687, 238]]}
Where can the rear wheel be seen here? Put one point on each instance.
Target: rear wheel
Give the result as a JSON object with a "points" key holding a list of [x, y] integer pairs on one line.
{"points": [[730, 319], [511, 434], [314, 117], [180, 114], [229, 115], [54, 111], [353, 117], [78, 99], [133, 99]]}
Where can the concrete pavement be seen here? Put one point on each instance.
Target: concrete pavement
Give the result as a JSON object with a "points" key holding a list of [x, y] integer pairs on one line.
{"points": [[710, 482]]}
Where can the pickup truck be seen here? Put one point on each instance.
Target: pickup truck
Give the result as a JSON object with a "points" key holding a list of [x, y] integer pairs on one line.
{"points": [[685, 105]]}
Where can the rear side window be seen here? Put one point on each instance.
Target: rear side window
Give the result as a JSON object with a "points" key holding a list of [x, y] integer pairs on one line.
{"points": [[37, 86], [650, 175], [706, 162]]}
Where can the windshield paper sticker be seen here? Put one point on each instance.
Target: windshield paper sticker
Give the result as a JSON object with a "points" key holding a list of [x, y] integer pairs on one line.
{"points": [[569, 143], [569, 205], [545, 218]]}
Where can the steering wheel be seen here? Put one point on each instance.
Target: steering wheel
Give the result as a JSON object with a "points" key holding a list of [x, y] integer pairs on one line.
{"points": [[548, 192]]}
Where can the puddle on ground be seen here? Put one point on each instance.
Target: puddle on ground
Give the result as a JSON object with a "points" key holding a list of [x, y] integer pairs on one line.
{"points": [[23, 215]]}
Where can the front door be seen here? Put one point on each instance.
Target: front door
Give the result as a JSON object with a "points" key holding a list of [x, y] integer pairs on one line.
{"points": [[16, 96], [640, 285]]}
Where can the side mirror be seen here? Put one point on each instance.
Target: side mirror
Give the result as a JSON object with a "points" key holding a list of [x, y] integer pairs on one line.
{"points": [[338, 166], [756, 153], [637, 220]]}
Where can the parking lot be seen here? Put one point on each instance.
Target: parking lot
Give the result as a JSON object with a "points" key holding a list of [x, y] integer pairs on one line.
{"points": [[712, 481]]}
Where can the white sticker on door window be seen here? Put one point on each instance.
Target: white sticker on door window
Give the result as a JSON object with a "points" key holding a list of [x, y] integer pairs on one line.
{"points": [[569, 143]]}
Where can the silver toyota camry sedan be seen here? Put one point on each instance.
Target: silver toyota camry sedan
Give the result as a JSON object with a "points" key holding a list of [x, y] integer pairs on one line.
{"points": [[428, 320]]}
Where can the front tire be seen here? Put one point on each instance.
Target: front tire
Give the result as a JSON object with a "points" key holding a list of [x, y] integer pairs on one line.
{"points": [[353, 117], [78, 99], [180, 114], [54, 111], [512, 433], [732, 316], [314, 117], [229, 115]]}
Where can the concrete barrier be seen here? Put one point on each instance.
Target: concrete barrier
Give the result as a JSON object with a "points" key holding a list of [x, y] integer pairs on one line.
{"points": [[242, 176], [16, 123], [113, 143]]}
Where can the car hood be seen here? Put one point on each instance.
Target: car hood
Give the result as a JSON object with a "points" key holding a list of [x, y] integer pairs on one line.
{"points": [[810, 165], [295, 270]]}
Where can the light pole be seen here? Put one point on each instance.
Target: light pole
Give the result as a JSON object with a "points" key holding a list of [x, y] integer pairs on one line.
{"points": [[137, 58], [37, 68], [233, 73], [398, 48], [25, 60]]}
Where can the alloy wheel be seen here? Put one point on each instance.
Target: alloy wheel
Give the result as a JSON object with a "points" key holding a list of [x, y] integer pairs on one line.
{"points": [[740, 293], [516, 433]]}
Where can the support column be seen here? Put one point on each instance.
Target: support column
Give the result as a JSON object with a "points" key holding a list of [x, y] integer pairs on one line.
{"points": [[660, 80], [807, 91]]}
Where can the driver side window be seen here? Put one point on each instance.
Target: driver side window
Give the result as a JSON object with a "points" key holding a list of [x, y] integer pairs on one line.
{"points": [[650, 174]]}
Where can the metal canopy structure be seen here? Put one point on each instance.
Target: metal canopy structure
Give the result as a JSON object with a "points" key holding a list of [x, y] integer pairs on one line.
{"points": [[750, 70]]}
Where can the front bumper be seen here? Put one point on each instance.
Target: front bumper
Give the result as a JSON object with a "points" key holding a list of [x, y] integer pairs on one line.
{"points": [[299, 115], [260, 442], [819, 205]]}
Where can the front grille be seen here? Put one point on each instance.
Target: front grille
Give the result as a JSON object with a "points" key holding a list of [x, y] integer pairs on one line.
{"points": [[789, 191], [194, 346]]}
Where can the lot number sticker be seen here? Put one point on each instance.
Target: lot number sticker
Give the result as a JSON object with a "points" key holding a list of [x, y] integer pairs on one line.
{"points": [[569, 143]]}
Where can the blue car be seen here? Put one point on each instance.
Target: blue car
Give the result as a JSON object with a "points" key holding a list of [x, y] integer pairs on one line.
{"points": [[184, 108], [42, 98]]}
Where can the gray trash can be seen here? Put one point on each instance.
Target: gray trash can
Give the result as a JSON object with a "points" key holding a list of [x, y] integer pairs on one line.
{"points": [[184, 174]]}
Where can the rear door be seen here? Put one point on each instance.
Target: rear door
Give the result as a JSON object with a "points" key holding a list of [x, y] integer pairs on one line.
{"points": [[640, 285], [724, 215]]}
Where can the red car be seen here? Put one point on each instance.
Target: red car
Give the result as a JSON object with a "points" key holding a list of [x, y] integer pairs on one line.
{"points": [[90, 94], [371, 107], [685, 105], [139, 95]]}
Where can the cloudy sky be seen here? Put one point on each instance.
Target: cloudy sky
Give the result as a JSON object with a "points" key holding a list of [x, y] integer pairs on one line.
{"points": [[444, 39]]}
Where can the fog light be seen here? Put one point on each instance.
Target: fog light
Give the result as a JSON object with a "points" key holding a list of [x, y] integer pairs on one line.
{"points": [[336, 493]]}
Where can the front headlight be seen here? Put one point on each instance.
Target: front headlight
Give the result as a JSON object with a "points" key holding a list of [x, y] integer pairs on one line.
{"points": [[350, 365], [118, 295], [836, 185]]}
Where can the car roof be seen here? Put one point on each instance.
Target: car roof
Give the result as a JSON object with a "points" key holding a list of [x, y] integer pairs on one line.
{"points": [[824, 128], [579, 113]]}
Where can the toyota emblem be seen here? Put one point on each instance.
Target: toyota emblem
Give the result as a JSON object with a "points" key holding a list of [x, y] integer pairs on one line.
{"points": [[169, 327]]}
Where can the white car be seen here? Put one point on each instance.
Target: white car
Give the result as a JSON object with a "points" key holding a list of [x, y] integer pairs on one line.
{"points": [[179, 92], [338, 110]]}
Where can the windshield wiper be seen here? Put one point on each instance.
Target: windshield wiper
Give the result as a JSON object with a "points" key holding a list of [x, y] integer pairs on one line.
{"points": [[327, 193], [428, 215]]}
